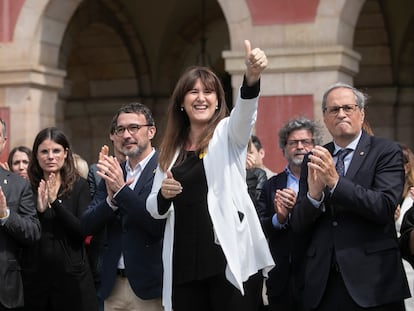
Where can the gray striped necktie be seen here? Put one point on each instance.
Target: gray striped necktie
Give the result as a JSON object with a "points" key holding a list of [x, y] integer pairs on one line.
{"points": [[340, 165]]}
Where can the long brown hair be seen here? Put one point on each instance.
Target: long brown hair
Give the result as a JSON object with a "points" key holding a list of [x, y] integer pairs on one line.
{"points": [[68, 172], [408, 159], [178, 123]]}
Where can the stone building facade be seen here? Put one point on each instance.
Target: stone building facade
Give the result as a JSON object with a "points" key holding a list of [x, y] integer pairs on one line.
{"points": [[71, 63]]}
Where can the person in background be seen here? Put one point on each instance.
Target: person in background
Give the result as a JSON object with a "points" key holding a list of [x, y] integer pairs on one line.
{"points": [[92, 243], [19, 228], [259, 152], [255, 176], [296, 138], [96, 242], [214, 247], [93, 177], [405, 203], [58, 275], [81, 165], [18, 160], [131, 271], [366, 126], [348, 192], [255, 179]]}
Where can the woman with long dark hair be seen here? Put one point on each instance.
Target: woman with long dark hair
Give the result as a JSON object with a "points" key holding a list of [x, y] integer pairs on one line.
{"points": [[57, 274], [214, 246]]}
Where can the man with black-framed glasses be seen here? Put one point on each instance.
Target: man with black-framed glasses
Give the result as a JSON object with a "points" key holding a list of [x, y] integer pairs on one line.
{"points": [[348, 192], [278, 196], [131, 271]]}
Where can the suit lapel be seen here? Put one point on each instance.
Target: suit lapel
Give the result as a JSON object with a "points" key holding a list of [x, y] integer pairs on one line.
{"points": [[331, 147], [4, 180], [148, 172], [360, 153], [358, 158], [280, 183]]}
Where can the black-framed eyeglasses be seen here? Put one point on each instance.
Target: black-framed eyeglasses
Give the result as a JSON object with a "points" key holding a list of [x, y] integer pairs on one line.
{"points": [[295, 142], [348, 109], [132, 129]]}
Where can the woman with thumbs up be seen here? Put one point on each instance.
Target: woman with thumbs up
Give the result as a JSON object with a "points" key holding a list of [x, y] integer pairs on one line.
{"points": [[214, 247]]}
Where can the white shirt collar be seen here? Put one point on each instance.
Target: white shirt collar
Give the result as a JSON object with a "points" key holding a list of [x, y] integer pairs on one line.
{"points": [[140, 165], [352, 145]]}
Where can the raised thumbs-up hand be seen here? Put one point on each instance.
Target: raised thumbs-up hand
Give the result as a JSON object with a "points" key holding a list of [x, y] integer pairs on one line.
{"points": [[256, 62], [170, 187]]}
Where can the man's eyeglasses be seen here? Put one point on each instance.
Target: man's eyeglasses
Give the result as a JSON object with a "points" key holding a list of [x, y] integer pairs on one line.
{"points": [[334, 110], [304, 142], [132, 129]]}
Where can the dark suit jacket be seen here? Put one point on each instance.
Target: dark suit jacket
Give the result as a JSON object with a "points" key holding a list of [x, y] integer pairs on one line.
{"points": [[93, 179], [21, 228], [132, 231], [357, 230], [286, 246]]}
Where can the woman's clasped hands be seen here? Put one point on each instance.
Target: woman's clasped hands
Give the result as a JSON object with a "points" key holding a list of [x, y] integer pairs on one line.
{"points": [[47, 192]]}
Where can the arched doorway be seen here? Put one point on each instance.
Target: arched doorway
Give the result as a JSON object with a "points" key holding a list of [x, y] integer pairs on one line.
{"points": [[115, 53]]}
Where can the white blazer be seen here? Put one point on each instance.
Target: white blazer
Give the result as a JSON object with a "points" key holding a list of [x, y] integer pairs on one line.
{"points": [[243, 242]]}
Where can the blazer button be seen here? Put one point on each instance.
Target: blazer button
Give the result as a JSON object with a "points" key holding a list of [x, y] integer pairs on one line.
{"points": [[334, 223]]}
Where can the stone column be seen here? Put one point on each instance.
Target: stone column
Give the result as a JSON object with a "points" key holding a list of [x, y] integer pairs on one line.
{"points": [[31, 95]]}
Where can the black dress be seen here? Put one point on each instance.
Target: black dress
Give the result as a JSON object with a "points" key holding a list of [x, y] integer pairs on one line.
{"points": [[195, 256], [199, 281]]}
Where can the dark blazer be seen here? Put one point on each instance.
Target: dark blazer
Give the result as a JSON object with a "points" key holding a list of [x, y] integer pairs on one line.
{"points": [[56, 269], [285, 245], [131, 231], [21, 228], [93, 179], [357, 230]]}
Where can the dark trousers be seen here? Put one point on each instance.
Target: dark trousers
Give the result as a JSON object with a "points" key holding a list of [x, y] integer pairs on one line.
{"points": [[336, 297], [218, 294], [287, 300]]}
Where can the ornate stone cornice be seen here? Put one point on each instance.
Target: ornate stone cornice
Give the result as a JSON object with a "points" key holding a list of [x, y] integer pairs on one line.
{"points": [[36, 76], [301, 59]]}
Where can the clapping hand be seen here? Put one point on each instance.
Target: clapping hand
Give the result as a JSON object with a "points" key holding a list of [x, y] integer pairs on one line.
{"points": [[47, 192], [3, 204], [284, 201]]}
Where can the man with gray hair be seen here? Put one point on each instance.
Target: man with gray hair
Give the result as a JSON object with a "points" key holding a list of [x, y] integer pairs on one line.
{"points": [[296, 138], [349, 190]]}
